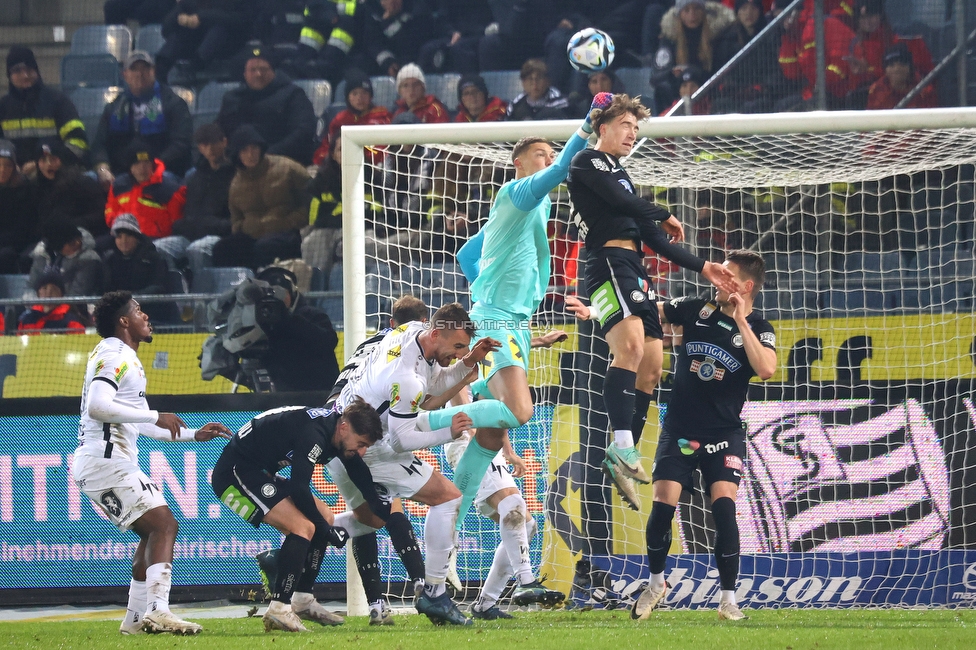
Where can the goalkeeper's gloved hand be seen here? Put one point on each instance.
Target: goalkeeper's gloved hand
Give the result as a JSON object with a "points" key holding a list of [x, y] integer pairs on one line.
{"points": [[600, 101]]}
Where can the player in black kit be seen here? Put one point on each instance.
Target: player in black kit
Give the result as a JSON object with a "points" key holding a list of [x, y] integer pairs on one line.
{"points": [[245, 480], [726, 343], [614, 221]]}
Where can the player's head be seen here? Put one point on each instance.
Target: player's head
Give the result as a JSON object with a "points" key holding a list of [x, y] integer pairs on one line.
{"points": [[407, 309], [750, 273], [617, 125], [530, 155], [117, 314], [450, 333], [358, 429]]}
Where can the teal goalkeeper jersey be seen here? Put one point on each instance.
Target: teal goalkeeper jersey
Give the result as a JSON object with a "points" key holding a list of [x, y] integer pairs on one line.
{"points": [[513, 269]]}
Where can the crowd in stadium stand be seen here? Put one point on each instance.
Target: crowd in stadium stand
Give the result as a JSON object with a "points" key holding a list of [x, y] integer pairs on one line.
{"points": [[257, 185]]}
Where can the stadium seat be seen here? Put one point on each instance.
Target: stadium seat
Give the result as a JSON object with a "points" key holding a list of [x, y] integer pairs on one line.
{"points": [[210, 96], [188, 95], [319, 92], [384, 91], [13, 286], [199, 119], [91, 102], [444, 88], [505, 84], [217, 279], [637, 81], [333, 307], [102, 39], [380, 286], [861, 299], [335, 277], [150, 39], [437, 284], [89, 71]]}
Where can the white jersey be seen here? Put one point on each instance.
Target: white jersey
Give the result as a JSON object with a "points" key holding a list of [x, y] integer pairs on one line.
{"points": [[114, 362]]}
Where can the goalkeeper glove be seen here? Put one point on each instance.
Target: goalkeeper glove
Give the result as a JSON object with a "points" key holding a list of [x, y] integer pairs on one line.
{"points": [[600, 101]]}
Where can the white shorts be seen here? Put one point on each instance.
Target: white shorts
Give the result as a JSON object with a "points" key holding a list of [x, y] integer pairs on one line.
{"points": [[395, 474], [121, 489], [496, 478]]}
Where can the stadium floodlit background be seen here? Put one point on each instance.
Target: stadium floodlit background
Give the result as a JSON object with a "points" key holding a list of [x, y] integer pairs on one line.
{"points": [[860, 485]]}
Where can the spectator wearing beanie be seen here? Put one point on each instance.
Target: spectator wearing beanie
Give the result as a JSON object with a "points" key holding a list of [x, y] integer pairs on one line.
{"points": [[899, 78], [31, 111], [147, 191], [51, 317], [133, 264], [268, 205], [474, 103], [18, 215], [64, 192], [412, 88], [359, 110], [206, 215], [71, 251], [148, 110], [278, 110]]}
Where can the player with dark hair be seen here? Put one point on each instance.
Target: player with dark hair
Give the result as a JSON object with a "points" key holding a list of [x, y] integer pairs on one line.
{"points": [[725, 344], [114, 412], [614, 222], [245, 480]]}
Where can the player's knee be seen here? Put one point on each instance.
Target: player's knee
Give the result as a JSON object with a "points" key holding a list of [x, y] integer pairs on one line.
{"points": [[522, 412], [303, 528], [512, 510]]}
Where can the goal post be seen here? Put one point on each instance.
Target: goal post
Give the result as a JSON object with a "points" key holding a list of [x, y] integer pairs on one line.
{"points": [[862, 448]]}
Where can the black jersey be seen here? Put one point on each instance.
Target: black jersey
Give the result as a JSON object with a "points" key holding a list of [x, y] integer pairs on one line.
{"points": [[607, 207], [712, 371], [362, 351], [300, 437]]}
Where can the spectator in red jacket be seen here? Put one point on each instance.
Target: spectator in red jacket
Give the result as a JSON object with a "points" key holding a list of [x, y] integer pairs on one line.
{"points": [[412, 87], [899, 78], [359, 110], [474, 103], [838, 45], [148, 191], [51, 316]]}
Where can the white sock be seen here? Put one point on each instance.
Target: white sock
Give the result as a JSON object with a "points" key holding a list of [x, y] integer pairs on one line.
{"points": [[435, 589], [137, 604], [498, 575], [512, 514], [728, 596], [355, 528], [624, 438], [657, 580], [300, 598], [439, 542], [159, 578]]}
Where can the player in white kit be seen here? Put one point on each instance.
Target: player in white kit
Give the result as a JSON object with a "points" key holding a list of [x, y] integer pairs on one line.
{"points": [[114, 412]]}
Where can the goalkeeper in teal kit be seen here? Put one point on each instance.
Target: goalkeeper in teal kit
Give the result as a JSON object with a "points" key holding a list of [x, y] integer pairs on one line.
{"points": [[507, 263]]}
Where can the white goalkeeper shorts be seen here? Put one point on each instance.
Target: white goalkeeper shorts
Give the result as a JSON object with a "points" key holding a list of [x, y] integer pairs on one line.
{"points": [[497, 478], [395, 474], [120, 489]]}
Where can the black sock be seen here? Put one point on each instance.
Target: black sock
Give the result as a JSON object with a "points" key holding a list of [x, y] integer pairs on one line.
{"points": [[405, 542], [618, 396], [313, 563], [658, 535], [291, 562], [642, 402], [726, 542], [366, 552]]}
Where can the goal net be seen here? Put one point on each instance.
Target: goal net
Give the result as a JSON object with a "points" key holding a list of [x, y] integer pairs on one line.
{"points": [[859, 483]]}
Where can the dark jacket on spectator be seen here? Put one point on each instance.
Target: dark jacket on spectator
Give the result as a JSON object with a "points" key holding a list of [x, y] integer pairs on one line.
{"points": [[551, 107], [281, 113], [142, 272], [73, 196], [398, 39], [279, 21], [62, 317], [169, 138], [206, 211], [301, 353], [235, 15], [326, 191], [26, 116], [18, 213]]}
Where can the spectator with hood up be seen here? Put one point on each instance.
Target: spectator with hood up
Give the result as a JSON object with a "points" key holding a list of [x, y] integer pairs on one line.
{"points": [[71, 251]]}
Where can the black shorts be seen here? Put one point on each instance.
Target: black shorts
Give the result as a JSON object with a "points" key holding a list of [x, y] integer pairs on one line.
{"points": [[617, 285], [249, 491], [721, 458]]}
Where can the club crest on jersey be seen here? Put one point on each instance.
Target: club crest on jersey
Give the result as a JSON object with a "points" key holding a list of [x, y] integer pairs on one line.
{"points": [[394, 395], [637, 296], [111, 502], [269, 490], [314, 453], [706, 311], [600, 165], [707, 370], [415, 402], [393, 353], [737, 340]]}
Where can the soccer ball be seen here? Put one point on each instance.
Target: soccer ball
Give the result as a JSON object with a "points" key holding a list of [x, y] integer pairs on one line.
{"points": [[590, 50]]}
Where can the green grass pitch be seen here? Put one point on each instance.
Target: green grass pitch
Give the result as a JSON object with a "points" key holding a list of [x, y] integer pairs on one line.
{"points": [[787, 629]]}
